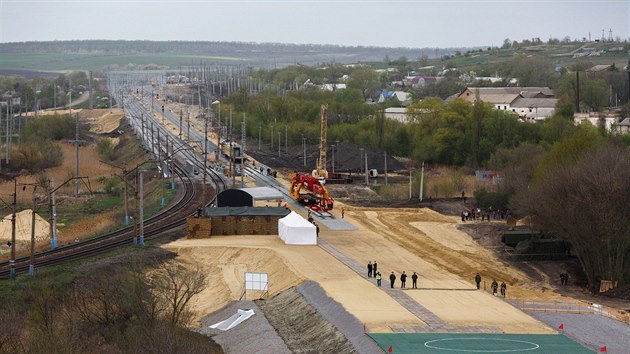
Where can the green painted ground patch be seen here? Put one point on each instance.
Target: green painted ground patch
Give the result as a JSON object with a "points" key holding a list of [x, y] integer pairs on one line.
{"points": [[476, 343]]}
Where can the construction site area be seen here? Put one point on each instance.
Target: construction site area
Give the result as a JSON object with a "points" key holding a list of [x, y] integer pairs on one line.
{"points": [[317, 295], [297, 254]]}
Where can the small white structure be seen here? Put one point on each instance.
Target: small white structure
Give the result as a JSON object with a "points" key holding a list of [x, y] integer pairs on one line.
{"points": [[624, 126], [239, 317], [293, 229], [597, 119], [397, 113]]}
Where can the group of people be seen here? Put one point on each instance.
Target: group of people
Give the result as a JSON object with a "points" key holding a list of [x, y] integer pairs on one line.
{"points": [[373, 272], [494, 286], [476, 213]]}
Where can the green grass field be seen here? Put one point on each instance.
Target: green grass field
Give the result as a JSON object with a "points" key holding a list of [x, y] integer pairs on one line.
{"points": [[413, 343]]}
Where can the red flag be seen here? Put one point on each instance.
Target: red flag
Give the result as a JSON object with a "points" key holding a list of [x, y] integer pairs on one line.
{"points": [[389, 350], [561, 326], [602, 349]]}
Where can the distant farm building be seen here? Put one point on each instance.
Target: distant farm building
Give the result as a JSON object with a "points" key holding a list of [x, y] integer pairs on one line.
{"points": [[529, 103]]}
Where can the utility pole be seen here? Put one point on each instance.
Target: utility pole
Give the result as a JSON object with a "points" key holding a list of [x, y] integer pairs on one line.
{"points": [[181, 112], [385, 167], [218, 154], [409, 182], [14, 206], [367, 182], [70, 91], [304, 149], [124, 170], [142, 134], [161, 168], [188, 128], [53, 214], [360, 161], [8, 144], [141, 211], [31, 266], [90, 90], [333, 158], [421, 181], [286, 139], [279, 143], [76, 142], [205, 161], [243, 145]]}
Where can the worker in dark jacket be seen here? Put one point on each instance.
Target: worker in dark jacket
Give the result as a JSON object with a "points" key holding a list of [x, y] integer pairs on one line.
{"points": [[392, 279], [403, 280], [478, 280], [414, 280]]}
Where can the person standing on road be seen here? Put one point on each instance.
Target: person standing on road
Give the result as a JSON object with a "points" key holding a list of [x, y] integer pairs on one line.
{"points": [[478, 280], [374, 267], [495, 287], [378, 279], [414, 281], [369, 269], [392, 279], [343, 212], [403, 280], [503, 288]]}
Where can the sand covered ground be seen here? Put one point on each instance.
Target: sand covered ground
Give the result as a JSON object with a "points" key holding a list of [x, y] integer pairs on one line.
{"points": [[419, 240]]}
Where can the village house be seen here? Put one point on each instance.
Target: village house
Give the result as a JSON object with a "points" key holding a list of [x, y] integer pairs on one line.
{"points": [[403, 97], [420, 81]]}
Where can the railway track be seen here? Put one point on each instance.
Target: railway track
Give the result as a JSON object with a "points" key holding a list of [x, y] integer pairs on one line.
{"points": [[166, 220], [187, 201]]}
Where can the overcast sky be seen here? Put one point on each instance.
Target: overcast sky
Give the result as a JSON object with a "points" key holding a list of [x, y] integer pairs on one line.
{"points": [[388, 23]]}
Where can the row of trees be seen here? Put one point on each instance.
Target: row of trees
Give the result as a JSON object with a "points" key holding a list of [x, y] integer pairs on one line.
{"points": [[44, 92], [575, 189], [454, 133]]}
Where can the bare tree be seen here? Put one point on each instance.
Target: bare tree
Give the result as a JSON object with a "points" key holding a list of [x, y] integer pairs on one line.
{"points": [[11, 328], [586, 203], [176, 285]]}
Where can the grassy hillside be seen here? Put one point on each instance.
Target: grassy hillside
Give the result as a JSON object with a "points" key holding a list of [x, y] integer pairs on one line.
{"points": [[63, 56]]}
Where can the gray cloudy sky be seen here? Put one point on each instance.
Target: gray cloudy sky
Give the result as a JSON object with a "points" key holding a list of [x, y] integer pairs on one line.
{"points": [[390, 23]]}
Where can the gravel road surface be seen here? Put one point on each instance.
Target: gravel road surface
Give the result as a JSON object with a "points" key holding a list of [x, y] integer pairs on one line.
{"points": [[334, 313], [591, 331]]}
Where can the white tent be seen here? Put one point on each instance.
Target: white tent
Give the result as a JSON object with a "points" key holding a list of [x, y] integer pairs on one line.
{"points": [[293, 229]]}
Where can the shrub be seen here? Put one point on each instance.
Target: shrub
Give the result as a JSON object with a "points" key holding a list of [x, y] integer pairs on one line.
{"points": [[55, 127], [105, 149], [35, 156], [496, 200]]}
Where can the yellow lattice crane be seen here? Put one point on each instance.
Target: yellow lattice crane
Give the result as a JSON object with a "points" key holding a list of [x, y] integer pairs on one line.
{"points": [[320, 170]]}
